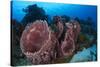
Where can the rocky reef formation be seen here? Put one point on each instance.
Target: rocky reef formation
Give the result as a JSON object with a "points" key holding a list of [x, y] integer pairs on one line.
{"points": [[42, 45]]}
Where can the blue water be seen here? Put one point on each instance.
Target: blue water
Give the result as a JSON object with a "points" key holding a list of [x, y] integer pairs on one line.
{"points": [[51, 9]]}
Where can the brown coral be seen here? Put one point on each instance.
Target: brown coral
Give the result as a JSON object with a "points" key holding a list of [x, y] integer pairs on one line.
{"points": [[72, 31], [68, 45], [40, 44]]}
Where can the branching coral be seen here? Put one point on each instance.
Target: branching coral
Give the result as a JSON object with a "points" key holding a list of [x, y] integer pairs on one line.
{"points": [[41, 45]]}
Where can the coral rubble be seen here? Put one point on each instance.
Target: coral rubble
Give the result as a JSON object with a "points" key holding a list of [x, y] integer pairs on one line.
{"points": [[42, 45]]}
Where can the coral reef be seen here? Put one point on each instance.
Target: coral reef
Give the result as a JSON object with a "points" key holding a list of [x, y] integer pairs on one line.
{"points": [[17, 57], [33, 13], [42, 45], [43, 35]]}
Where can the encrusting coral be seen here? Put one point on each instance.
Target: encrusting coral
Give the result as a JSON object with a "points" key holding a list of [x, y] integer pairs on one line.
{"points": [[41, 45]]}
